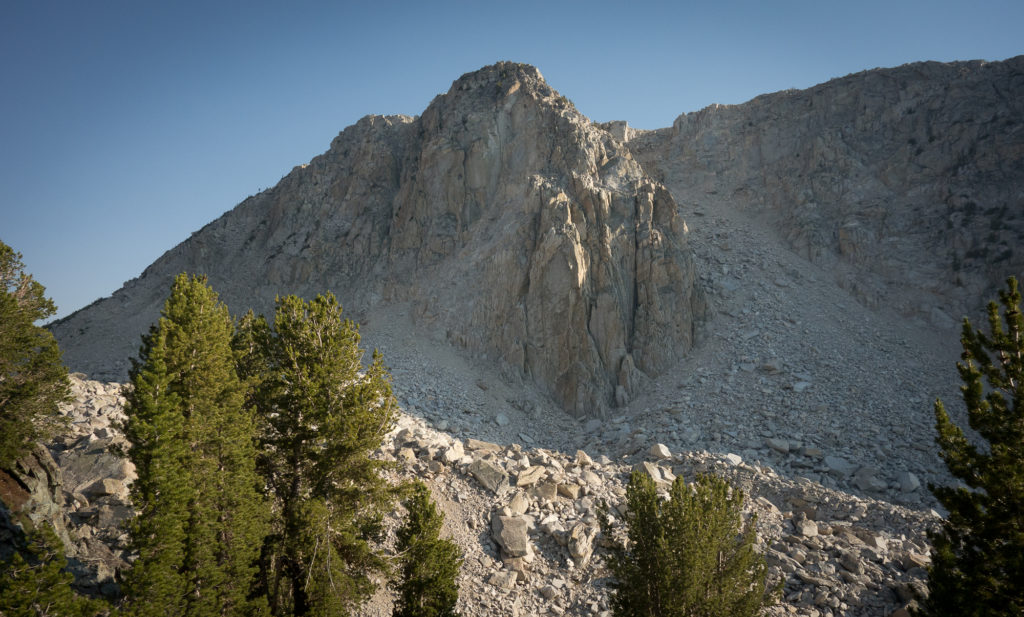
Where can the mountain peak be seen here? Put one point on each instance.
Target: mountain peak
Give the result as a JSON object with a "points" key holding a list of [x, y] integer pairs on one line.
{"points": [[501, 73], [499, 81]]}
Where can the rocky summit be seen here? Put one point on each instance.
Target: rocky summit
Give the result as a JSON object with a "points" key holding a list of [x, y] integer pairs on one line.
{"points": [[505, 221]]}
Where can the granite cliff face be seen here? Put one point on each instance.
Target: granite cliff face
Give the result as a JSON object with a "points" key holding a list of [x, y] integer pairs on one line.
{"points": [[503, 219], [908, 183]]}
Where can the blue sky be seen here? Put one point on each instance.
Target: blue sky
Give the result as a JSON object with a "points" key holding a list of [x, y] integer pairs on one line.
{"points": [[126, 126]]}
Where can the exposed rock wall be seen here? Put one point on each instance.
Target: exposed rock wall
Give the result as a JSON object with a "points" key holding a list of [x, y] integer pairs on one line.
{"points": [[907, 182], [502, 216]]}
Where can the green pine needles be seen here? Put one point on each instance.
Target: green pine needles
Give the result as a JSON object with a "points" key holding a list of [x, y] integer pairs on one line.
{"points": [[429, 564], [689, 556], [34, 583], [978, 555], [256, 490], [323, 414], [33, 381], [202, 515]]}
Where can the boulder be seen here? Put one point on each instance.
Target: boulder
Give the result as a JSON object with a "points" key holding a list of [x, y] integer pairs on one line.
{"points": [[660, 451], [530, 475], [581, 542], [519, 503], [489, 475], [908, 482], [512, 534], [503, 579], [806, 528], [107, 487], [839, 466], [583, 459]]}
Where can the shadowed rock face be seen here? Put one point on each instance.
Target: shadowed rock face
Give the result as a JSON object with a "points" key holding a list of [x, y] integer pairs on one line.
{"points": [[907, 182], [501, 216]]}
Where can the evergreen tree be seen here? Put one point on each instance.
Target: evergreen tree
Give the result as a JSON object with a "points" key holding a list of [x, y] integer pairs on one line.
{"points": [[32, 379], [978, 555], [202, 519], [324, 414], [689, 556], [34, 583], [429, 564]]}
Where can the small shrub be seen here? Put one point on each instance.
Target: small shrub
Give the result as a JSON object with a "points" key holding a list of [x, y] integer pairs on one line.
{"points": [[691, 555], [429, 564]]}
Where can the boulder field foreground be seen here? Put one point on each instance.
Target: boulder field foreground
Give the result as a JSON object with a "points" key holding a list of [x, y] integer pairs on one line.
{"points": [[770, 291]]}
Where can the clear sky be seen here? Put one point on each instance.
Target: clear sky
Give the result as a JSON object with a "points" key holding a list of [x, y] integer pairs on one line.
{"points": [[126, 126]]}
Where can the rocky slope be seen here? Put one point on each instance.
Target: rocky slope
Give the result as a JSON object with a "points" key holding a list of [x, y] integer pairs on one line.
{"points": [[506, 221], [524, 516], [78, 485], [906, 183]]}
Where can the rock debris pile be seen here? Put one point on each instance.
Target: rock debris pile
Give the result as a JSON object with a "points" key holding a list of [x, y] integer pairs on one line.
{"points": [[526, 520], [79, 485]]}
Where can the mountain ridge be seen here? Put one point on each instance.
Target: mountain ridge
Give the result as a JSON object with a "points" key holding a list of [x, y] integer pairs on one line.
{"points": [[478, 214], [501, 215], [880, 176]]}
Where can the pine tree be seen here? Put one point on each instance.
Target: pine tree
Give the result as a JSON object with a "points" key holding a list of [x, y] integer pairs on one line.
{"points": [[34, 583], [691, 555], [33, 381], [978, 555], [324, 414], [202, 519], [429, 565]]}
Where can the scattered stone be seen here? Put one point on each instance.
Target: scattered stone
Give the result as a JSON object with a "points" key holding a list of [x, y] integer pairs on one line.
{"points": [[503, 579], [908, 482], [779, 445], [530, 475], [453, 453], [106, 487], [490, 475], [652, 470], [660, 451], [512, 534], [865, 479], [572, 491], [839, 466], [519, 503], [548, 491], [806, 528], [475, 445], [581, 542], [910, 560]]}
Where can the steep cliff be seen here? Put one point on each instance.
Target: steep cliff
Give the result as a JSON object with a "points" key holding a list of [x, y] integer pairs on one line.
{"points": [[502, 217], [907, 182]]}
